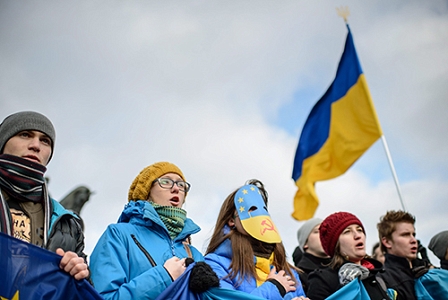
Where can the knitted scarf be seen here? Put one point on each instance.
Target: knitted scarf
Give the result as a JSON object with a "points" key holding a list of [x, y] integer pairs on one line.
{"points": [[23, 180], [173, 218]]}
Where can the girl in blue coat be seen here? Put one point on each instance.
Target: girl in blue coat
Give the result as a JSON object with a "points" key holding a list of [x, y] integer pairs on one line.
{"points": [[246, 251], [143, 253]]}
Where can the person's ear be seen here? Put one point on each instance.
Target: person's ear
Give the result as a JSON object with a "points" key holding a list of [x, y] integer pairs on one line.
{"points": [[387, 243], [231, 223]]}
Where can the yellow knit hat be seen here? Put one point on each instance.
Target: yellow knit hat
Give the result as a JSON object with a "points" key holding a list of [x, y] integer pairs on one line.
{"points": [[142, 184]]}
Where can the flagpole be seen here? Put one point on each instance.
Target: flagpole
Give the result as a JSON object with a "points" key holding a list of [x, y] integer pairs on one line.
{"points": [[394, 174]]}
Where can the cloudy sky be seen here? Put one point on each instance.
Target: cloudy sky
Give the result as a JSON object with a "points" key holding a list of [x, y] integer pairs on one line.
{"points": [[222, 89]]}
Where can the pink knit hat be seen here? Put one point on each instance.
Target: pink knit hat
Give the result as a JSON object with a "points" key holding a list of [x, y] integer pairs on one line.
{"points": [[331, 228]]}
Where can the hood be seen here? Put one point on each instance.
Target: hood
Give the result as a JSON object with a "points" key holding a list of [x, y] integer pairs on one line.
{"points": [[143, 213]]}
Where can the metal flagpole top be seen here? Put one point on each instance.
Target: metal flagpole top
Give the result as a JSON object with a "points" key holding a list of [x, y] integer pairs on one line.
{"points": [[343, 12]]}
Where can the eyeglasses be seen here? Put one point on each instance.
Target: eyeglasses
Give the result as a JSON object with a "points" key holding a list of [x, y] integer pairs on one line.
{"points": [[167, 183]]}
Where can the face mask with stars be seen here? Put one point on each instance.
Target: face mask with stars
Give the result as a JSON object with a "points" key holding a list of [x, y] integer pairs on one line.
{"points": [[254, 215]]}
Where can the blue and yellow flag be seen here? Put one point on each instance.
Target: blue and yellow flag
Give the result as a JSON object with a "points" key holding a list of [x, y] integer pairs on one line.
{"points": [[30, 272], [180, 290], [340, 128]]}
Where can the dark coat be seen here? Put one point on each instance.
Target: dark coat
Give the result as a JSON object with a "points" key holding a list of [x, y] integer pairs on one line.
{"points": [[399, 276], [65, 231], [324, 282], [308, 263], [444, 264]]}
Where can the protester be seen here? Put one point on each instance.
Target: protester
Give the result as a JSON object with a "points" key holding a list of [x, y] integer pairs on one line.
{"points": [[314, 256], [377, 253], [439, 246], [397, 235], [141, 255], [343, 238], [246, 251], [27, 212]]}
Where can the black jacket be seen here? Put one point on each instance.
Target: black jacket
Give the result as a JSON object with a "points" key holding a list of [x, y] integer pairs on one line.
{"points": [[308, 263], [64, 231], [67, 234], [324, 282], [399, 276], [444, 264]]}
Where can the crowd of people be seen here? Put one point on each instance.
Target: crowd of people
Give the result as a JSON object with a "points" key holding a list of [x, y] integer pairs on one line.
{"points": [[149, 247]]}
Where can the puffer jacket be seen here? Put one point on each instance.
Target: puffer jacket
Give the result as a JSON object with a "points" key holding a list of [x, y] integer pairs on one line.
{"points": [[127, 262], [65, 231], [220, 262]]}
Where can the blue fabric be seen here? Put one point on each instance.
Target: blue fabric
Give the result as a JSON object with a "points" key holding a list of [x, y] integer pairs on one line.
{"points": [[120, 269], [354, 290], [34, 273], [220, 262], [433, 285], [179, 290]]}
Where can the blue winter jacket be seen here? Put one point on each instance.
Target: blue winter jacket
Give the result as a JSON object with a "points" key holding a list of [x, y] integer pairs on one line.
{"points": [[220, 262], [127, 262]]}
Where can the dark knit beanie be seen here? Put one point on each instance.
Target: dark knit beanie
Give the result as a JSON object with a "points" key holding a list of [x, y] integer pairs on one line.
{"points": [[142, 184], [438, 244], [26, 120], [331, 228]]}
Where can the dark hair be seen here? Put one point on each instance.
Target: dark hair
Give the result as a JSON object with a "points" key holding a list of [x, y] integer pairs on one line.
{"points": [[387, 224], [338, 259], [242, 258]]}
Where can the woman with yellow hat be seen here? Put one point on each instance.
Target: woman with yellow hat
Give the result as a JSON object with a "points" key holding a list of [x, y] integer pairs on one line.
{"points": [[143, 253]]}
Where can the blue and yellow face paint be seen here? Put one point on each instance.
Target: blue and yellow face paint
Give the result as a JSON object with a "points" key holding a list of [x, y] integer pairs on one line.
{"points": [[254, 216]]}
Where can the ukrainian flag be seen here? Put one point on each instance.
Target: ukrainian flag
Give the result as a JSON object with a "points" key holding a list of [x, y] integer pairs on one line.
{"points": [[340, 128]]}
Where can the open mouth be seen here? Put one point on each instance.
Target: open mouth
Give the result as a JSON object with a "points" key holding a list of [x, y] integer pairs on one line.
{"points": [[360, 245], [174, 201]]}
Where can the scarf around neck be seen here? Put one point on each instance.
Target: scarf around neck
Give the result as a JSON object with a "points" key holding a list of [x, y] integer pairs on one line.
{"points": [[263, 268], [261, 249], [21, 178], [173, 218]]}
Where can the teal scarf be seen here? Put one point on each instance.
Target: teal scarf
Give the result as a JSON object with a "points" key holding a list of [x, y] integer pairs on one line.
{"points": [[173, 218]]}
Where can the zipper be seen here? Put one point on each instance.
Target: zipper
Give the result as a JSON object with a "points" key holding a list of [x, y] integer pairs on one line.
{"points": [[148, 256], [172, 248]]}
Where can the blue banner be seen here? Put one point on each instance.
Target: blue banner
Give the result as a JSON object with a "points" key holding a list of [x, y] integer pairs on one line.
{"points": [[433, 285], [180, 290], [30, 272]]}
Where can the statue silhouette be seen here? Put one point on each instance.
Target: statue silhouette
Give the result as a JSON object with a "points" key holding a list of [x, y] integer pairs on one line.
{"points": [[75, 200]]}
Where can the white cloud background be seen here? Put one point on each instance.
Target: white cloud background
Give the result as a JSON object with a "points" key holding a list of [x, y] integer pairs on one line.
{"points": [[222, 89]]}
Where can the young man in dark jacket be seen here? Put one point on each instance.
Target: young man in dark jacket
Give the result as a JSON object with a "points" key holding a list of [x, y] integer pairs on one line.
{"points": [[313, 255], [397, 235], [26, 210]]}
